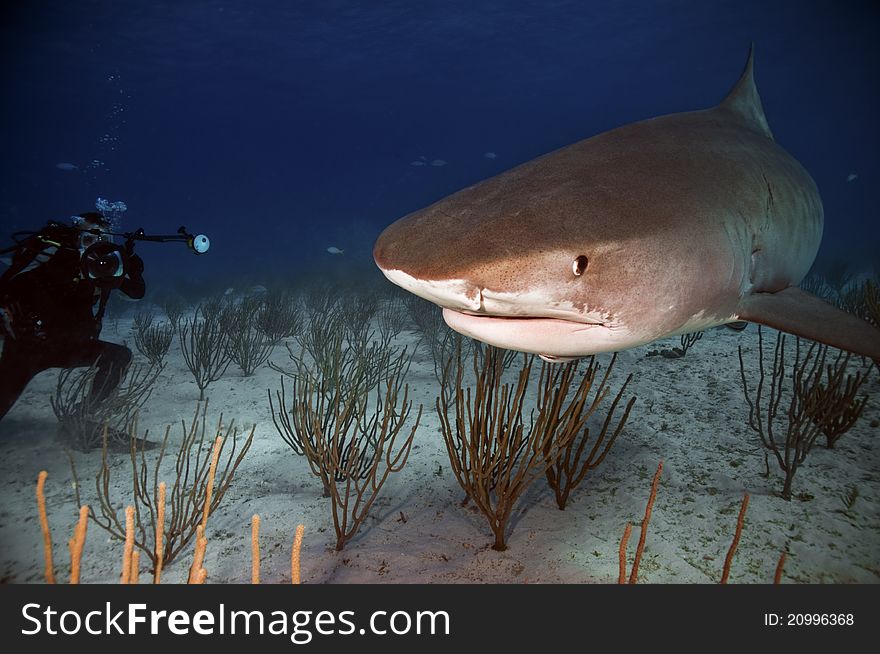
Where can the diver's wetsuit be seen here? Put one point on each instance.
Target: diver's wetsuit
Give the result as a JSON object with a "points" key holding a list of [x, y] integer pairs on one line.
{"points": [[50, 321]]}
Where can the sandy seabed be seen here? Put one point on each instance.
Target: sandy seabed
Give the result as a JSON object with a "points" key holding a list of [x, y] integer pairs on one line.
{"points": [[690, 413]]}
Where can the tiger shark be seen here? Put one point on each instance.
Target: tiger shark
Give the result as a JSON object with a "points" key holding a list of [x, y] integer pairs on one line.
{"points": [[657, 228]]}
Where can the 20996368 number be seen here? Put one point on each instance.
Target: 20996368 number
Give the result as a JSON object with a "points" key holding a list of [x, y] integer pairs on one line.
{"points": [[823, 619], [809, 619]]}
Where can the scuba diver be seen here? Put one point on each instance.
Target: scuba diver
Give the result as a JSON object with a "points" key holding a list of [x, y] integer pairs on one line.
{"points": [[51, 308]]}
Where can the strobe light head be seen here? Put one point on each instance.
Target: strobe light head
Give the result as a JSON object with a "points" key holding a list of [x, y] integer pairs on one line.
{"points": [[200, 243]]}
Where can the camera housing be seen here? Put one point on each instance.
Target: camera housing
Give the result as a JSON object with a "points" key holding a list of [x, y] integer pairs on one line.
{"points": [[103, 263]]}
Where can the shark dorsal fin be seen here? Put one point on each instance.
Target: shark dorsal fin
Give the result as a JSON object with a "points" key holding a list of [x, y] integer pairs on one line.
{"points": [[744, 100]]}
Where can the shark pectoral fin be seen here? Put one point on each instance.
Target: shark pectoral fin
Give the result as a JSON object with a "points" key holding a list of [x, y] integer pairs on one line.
{"points": [[803, 314]]}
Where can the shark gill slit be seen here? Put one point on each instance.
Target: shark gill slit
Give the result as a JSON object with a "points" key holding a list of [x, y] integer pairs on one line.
{"points": [[768, 205]]}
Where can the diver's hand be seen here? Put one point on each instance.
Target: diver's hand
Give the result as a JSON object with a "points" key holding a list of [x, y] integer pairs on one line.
{"points": [[133, 283], [134, 266]]}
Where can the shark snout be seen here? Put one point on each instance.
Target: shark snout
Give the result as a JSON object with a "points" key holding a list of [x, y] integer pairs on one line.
{"points": [[455, 294], [413, 264]]}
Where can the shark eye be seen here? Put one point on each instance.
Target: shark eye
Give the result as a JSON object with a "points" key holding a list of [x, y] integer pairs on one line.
{"points": [[579, 265]]}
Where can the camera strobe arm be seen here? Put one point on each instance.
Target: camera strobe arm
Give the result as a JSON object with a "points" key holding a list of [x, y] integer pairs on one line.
{"points": [[198, 243]]}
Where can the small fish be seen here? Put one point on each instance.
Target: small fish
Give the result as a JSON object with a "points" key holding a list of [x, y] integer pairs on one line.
{"points": [[438, 162], [417, 162], [489, 155], [851, 177], [63, 165], [335, 250]]}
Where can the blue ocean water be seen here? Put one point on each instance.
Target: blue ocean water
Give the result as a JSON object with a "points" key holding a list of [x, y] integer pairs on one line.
{"points": [[283, 128]]}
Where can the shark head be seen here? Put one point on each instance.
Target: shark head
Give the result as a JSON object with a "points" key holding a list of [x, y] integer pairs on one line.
{"points": [[490, 287], [542, 318], [547, 258]]}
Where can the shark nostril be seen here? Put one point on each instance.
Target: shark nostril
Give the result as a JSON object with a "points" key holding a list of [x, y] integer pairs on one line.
{"points": [[579, 265]]}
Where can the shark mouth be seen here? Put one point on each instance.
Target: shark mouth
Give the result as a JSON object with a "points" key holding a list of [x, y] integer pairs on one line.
{"points": [[526, 321], [554, 339], [466, 297]]}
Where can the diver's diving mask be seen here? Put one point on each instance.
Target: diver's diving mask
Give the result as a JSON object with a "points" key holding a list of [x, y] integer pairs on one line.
{"points": [[88, 238]]}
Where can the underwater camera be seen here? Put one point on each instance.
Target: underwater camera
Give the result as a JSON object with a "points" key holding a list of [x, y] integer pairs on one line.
{"points": [[104, 263]]}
